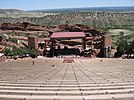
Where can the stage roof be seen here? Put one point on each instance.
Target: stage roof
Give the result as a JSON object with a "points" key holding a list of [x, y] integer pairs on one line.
{"points": [[68, 35]]}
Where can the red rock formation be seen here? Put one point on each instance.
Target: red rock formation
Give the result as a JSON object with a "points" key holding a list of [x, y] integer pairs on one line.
{"points": [[61, 28]]}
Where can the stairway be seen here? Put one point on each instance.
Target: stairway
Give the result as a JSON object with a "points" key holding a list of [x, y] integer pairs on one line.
{"points": [[50, 79], [70, 91]]}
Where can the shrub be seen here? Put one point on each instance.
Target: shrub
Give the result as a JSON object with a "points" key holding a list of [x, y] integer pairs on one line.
{"points": [[7, 51], [32, 53], [14, 40]]}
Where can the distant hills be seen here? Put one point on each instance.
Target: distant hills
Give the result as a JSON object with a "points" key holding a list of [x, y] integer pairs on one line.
{"points": [[10, 10], [14, 13], [84, 9], [87, 9], [100, 17]]}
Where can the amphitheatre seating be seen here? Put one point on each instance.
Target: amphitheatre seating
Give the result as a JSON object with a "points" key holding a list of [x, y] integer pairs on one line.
{"points": [[43, 91], [82, 80]]}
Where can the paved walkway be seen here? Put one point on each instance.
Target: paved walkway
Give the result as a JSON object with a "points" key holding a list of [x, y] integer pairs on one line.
{"points": [[51, 79]]}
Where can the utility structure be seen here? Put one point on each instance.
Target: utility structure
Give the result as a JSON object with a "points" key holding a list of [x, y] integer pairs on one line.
{"points": [[33, 42]]}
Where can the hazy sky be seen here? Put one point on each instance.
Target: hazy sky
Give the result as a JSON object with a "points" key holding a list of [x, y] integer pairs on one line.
{"points": [[52, 4]]}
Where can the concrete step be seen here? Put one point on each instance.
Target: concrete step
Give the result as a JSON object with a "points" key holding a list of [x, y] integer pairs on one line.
{"points": [[83, 91], [66, 97], [64, 85], [64, 92], [66, 88]]}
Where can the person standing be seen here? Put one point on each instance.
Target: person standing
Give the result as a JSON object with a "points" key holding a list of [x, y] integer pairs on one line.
{"points": [[33, 62]]}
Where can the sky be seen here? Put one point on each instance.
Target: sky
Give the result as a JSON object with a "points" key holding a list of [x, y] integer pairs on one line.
{"points": [[54, 4]]}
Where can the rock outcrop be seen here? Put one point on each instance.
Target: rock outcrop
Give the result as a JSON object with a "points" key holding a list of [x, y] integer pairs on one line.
{"points": [[25, 26]]}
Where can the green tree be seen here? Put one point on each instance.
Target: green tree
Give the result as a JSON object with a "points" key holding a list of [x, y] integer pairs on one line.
{"points": [[32, 53], [14, 51], [25, 51], [67, 22], [21, 52], [14, 40], [130, 49], [122, 43], [7, 51]]}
